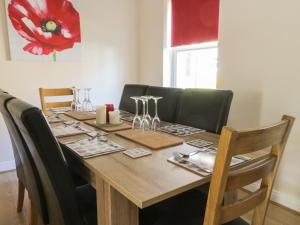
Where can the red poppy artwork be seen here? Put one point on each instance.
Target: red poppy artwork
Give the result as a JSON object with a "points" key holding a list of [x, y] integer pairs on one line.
{"points": [[44, 29]]}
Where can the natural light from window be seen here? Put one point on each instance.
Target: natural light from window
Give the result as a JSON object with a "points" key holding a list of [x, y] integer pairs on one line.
{"points": [[195, 66]]}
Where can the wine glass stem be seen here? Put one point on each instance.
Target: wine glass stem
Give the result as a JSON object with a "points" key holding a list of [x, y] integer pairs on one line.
{"points": [[156, 114], [147, 107], [136, 107], [144, 109], [88, 95]]}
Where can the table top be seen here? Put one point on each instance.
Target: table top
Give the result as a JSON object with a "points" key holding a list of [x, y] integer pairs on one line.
{"points": [[147, 180]]}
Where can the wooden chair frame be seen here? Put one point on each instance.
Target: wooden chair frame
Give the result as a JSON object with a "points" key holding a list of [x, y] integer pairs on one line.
{"points": [[54, 92], [225, 181]]}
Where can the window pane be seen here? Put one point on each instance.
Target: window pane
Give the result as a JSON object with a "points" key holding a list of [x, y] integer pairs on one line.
{"points": [[196, 68]]}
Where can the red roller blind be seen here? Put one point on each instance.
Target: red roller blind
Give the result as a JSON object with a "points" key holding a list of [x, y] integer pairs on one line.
{"points": [[194, 21]]}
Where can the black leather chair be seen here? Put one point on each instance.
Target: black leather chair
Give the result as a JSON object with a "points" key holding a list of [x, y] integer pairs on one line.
{"points": [[126, 103], [26, 171], [20, 173], [204, 108], [66, 204], [166, 106]]}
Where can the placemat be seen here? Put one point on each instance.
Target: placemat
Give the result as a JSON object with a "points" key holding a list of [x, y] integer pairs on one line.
{"points": [[150, 139], [202, 162], [88, 148], [109, 127], [65, 131], [127, 118], [180, 130], [81, 116]]}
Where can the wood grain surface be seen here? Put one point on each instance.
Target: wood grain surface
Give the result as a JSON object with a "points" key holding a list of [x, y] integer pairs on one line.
{"points": [[109, 127], [144, 181], [151, 139]]}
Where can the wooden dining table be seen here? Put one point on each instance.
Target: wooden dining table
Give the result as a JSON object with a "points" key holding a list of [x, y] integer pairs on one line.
{"points": [[124, 186]]}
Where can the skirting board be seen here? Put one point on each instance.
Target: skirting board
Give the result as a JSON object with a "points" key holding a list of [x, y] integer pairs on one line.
{"points": [[280, 198], [7, 166]]}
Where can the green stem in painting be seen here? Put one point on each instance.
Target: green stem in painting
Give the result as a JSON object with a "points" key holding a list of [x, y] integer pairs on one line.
{"points": [[54, 55]]}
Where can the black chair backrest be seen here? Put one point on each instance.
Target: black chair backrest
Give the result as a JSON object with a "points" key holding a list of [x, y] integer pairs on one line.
{"points": [[18, 162], [204, 108], [63, 207], [126, 103], [166, 106], [26, 170]]}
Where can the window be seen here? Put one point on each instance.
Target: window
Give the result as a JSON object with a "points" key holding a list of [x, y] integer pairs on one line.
{"points": [[195, 66], [191, 43]]}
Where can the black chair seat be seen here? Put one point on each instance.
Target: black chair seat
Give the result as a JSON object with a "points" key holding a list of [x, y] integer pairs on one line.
{"points": [[185, 209], [87, 202]]}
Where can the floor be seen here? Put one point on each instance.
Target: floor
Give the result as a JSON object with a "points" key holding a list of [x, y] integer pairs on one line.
{"points": [[277, 215]]}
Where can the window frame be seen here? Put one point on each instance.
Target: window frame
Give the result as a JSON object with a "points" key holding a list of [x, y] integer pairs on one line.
{"points": [[175, 50]]}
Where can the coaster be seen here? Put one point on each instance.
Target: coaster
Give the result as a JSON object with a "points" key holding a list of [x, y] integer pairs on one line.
{"points": [[137, 152], [200, 143]]}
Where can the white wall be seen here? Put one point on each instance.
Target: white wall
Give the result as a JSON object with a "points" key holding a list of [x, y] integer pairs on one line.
{"points": [[109, 59], [151, 33], [258, 59]]}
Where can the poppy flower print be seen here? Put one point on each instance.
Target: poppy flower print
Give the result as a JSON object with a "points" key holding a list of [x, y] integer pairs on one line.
{"points": [[48, 26]]}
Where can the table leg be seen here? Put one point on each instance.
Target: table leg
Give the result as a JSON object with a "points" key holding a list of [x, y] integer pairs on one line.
{"points": [[113, 208]]}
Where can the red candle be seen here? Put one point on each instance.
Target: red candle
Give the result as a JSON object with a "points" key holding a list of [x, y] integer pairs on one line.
{"points": [[109, 108]]}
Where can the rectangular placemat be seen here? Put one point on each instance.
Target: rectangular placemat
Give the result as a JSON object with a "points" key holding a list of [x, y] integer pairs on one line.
{"points": [[65, 131], [150, 139], [202, 163], [109, 127], [90, 148], [81, 116]]}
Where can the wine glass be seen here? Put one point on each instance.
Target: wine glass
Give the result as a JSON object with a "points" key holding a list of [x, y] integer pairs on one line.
{"points": [[78, 103], [147, 115], [145, 124], [84, 99], [73, 104], [156, 120], [137, 122], [88, 103]]}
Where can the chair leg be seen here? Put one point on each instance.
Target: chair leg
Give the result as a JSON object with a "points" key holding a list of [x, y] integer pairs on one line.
{"points": [[21, 190], [33, 214]]}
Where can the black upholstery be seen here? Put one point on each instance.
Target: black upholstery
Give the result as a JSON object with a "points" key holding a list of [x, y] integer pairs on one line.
{"points": [[204, 108], [185, 209], [63, 199], [126, 103], [19, 167], [26, 170], [166, 106]]}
